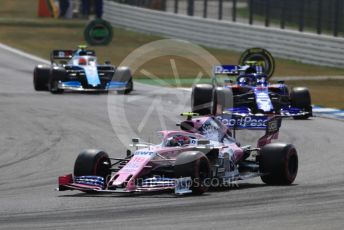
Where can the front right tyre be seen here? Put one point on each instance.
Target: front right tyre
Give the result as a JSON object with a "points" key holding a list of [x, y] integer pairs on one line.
{"points": [[92, 162], [41, 75], [201, 99], [222, 99]]}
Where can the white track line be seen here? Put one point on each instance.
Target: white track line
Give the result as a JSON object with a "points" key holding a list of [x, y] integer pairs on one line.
{"points": [[23, 54]]}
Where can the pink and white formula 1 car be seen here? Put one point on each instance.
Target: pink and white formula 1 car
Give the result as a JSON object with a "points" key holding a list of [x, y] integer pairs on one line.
{"points": [[202, 154]]}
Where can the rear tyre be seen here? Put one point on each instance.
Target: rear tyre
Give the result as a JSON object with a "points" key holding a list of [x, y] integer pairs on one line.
{"points": [[280, 163], [195, 165], [57, 74], [92, 163], [201, 97], [301, 99], [41, 77], [222, 99]]}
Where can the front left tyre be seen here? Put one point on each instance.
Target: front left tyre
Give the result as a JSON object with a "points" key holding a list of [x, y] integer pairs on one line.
{"points": [[278, 162], [123, 74], [130, 87], [301, 98]]}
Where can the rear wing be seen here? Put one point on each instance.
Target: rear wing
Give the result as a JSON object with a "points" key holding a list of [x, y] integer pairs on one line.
{"points": [[233, 70], [58, 55], [61, 55], [271, 124]]}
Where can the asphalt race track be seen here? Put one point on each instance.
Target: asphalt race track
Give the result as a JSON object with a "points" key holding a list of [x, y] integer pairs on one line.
{"points": [[41, 135]]}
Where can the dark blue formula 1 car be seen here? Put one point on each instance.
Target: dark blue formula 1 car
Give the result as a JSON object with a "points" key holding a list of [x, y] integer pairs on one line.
{"points": [[78, 70], [245, 89]]}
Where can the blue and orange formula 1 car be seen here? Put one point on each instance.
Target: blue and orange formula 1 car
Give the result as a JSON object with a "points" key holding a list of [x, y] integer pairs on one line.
{"points": [[245, 89], [202, 154], [78, 70]]}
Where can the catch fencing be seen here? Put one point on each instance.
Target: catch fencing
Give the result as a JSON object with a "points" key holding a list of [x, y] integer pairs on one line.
{"points": [[291, 44], [315, 16]]}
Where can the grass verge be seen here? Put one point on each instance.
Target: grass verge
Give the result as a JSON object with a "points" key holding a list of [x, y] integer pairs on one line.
{"points": [[327, 93]]}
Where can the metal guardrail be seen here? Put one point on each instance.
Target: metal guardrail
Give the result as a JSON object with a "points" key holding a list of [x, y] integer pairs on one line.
{"points": [[304, 47], [315, 16]]}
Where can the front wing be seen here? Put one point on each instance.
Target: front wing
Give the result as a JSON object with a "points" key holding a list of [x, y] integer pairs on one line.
{"points": [[284, 112], [94, 184], [77, 86]]}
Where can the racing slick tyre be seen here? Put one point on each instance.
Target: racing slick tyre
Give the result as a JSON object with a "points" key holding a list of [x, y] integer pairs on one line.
{"points": [[201, 97], [57, 74], [279, 163], [301, 98], [41, 77], [222, 99], [262, 57], [130, 88], [196, 165], [123, 74], [93, 162]]}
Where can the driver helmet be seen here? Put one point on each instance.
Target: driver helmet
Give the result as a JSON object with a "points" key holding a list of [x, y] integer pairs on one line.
{"points": [[82, 61], [252, 79], [261, 79], [179, 140], [247, 79]]}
